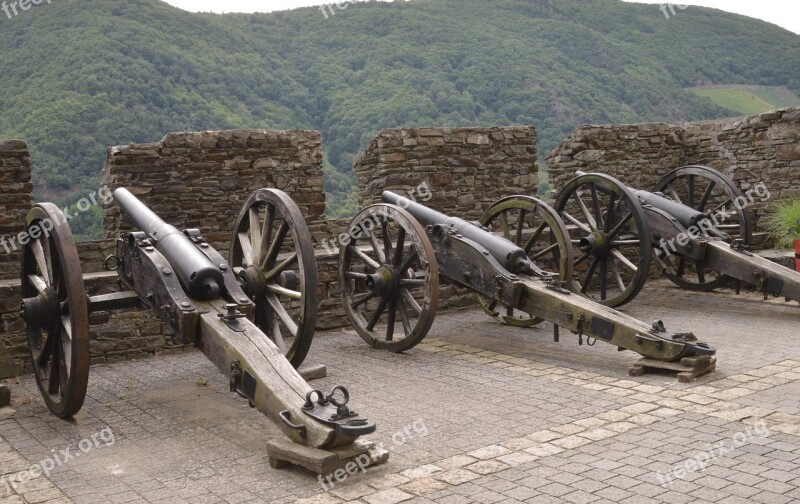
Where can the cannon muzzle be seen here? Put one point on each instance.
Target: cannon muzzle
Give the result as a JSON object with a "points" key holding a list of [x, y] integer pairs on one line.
{"points": [[198, 275], [512, 257]]}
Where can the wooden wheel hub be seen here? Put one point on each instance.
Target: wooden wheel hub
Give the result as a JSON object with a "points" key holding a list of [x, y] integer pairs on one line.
{"points": [[381, 282], [252, 281], [43, 307], [595, 244]]}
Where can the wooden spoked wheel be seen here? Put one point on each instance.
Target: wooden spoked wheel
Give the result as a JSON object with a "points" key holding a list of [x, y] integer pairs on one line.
{"points": [[272, 255], [611, 238], [55, 310], [708, 191], [389, 278], [536, 227]]}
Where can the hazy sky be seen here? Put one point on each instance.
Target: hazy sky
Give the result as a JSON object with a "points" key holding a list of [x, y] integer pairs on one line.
{"points": [[785, 13]]}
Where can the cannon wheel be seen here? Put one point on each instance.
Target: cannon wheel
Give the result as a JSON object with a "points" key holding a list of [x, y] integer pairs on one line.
{"points": [[55, 310], [536, 227], [706, 190], [389, 271], [611, 238], [273, 257]]}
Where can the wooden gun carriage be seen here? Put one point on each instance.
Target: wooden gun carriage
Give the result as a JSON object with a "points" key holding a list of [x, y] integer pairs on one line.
{"points": [[695, 225], [390, 272], [253, 315]]}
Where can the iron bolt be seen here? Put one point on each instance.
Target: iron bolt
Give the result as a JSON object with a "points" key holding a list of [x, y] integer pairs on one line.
{"points": [[223, 267], [167, 271], [186, 304]]}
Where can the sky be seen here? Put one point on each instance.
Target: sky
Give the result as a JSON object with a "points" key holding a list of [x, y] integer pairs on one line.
{"points": [[785, 13]]}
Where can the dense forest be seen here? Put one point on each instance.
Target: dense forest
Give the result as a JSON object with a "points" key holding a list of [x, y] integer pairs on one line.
{"points": [[77, 76]]}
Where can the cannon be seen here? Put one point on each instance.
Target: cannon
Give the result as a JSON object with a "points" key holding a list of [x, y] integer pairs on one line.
{"points": [[253, 315], [397, 251], [695, 225]]}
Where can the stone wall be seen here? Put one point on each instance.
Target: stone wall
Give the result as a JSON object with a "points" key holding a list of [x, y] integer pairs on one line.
{"points": [[761, 148], [15, 201], [466, 169], [201, 180]]}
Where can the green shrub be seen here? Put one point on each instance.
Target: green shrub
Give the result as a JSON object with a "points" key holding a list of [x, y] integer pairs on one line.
{"points": [[784, 224]]}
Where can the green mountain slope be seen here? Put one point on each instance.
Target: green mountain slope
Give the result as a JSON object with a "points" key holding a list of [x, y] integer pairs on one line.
{"points": [[78, 76]]}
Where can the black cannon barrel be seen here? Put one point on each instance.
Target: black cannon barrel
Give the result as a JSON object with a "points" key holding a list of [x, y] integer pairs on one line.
{"points": [[201, 278], [686, 215], [513, 258]]}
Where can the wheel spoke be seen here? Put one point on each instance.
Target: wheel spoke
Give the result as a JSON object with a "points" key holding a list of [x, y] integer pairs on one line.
{"points": [[376, 247], [283, 291], [544, 252], [690, 184], [535, 236], [54, 375], [255, 235], [706, 195], [589, 275], [363, 299], [520, 226], [355, 275], [412, 282], [275, 247], [719, 207], [38, 283], [504, 226], [604, 278], [611, 204], [387, 241], [364, 257], [48, 348], [615, 271], [283, 315], [674, 193], [66, 342], [377, 315], [589, 219], [410, 301], [404, 316], [398, 252], [582, 258], [273, 328], [614, 232], [266, 231], [409, 261], [43, 261], [392, 315], [598, 217], [583, 227], [247, 250], [624, 260], [277, 270]]}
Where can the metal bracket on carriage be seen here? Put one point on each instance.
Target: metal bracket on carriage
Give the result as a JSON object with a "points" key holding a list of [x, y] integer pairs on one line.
{"points": [[329, 410]]}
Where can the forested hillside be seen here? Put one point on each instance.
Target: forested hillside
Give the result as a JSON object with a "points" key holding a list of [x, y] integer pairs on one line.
{"points": [[77, 76]]}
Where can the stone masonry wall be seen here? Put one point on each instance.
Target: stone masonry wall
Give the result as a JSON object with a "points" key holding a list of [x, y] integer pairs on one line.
{"points": [[761, 148], [465, 170], [15, 201], [201, 180]]}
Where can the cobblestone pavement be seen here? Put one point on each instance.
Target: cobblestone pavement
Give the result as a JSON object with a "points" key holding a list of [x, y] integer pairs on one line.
{"points": [[477, 413]]}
